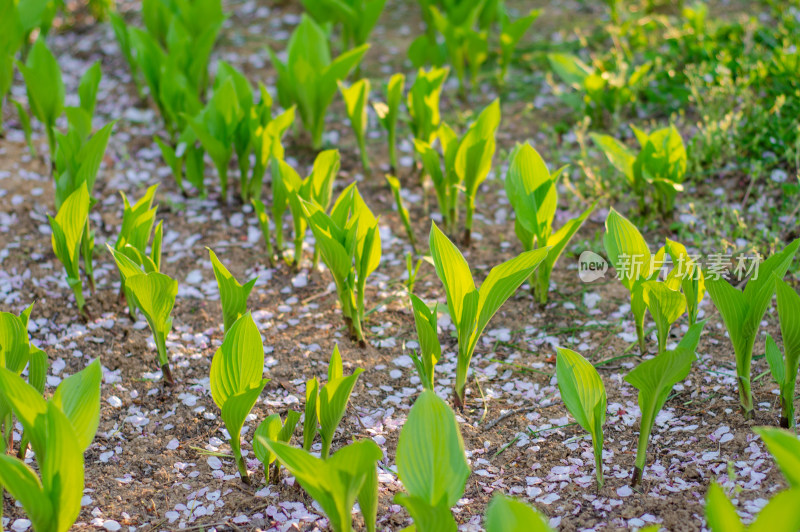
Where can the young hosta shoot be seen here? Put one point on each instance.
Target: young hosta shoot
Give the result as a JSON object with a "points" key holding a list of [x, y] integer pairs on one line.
{"points": [[309, 77], [337, 482], [350, 245], [232, 294], [317, 188], [660, 165], [471, 309], [533, 193], [216, 128], [781, 514], [507, 514], [654, 378], [154, 295], [237, 371], [430, 350], [466, 47], [60, 430], [783, 366], [394, 184], [68, 231], [355, 98], [358, 17], [423, 103], [134, 235], [665, 305], [511, 33], [584, 395], [474, 158], [431, 464], [267, 134], [628, 252], [784, 447], [445, 180], [272, 429], [742, 312], [388, 113], [45, 88], [263, 222], [325, 406], [686, 276]]}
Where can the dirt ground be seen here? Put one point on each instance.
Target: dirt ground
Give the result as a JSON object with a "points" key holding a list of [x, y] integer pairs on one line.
{"points": [[159, 461]]}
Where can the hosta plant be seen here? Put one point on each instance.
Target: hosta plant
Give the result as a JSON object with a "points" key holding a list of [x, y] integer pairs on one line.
{"points": [[153, 294], [473, 159], [471, 309], [781, 513], [60, 430], [510, 35], [402, 212], [533, 194], [628, 253], [431, 464], [423, 103], [266, 138], [350, 245], [337, 482], [326, 405], [665, 305], [598, 90], [357, 17], [355, 99], [743, 310], [430, 350], [659, 166], [45, 88], [507, 514], [654, 378], [445, 181], [686, 276], [388, 113], [309, 76], [237, 379], [784, 447], [292, 191], [784, 365], [273, 429], [584, 396], [232, 294], [68, 232]]}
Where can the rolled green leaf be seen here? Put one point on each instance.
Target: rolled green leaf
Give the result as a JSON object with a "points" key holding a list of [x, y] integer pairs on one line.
{"points": [[506, 514], [232, 295]]}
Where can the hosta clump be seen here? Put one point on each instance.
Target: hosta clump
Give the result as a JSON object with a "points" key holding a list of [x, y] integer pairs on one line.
{"points": [[338, 481], [325, 406], [237, 379], [654, 378], [60, 430], [232, 294], [783, 366], [742, 312], [431, 464], [273, 429], [389, 111], [598, 90], [584, 395], [471, 309], [290, 191], [309, 76], [153, 294], [659, 166], [68, 232], [355, 98], [782, 513], [350, 245], [533, 193]]}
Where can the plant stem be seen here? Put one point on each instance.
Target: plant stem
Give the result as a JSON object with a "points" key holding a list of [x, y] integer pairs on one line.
{"points": [[745, 396], [641, 453], [598, 459]]}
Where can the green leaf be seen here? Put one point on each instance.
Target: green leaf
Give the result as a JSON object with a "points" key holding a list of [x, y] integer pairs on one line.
{"points": [[789, 314], [618, 154], [781, 514], [584, 396], [333, 399], [474, 156], [154, 295], [311, 420], [721, 515], [430, 459], [425, 320], [506, 514], [232, 294], [453, 271], [570, 69], [44, 83], [336, 482], [23, 484], [785, 448], [78, 396], [665, 305], [87, 87], [627, 250]]}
